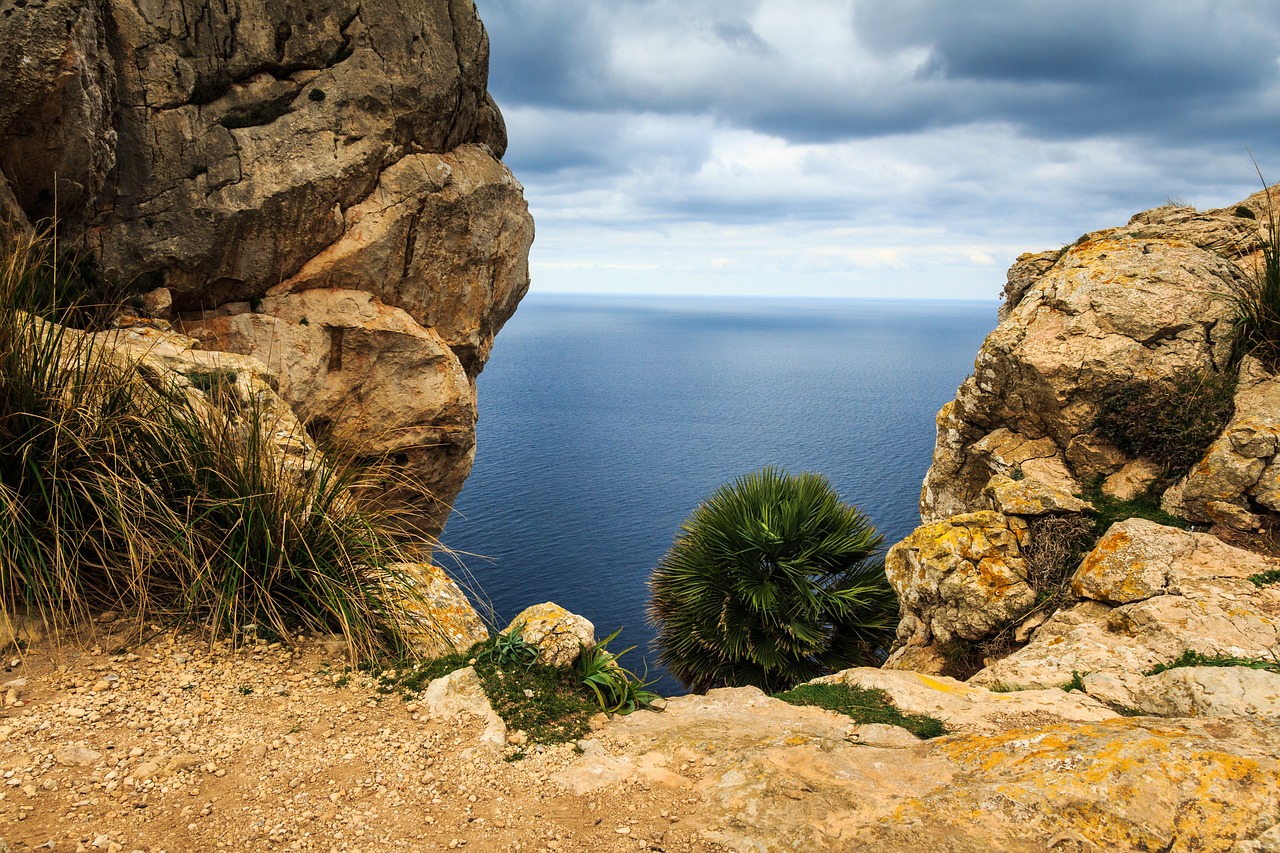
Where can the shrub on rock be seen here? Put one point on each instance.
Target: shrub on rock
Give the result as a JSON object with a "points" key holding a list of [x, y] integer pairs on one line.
{"points": [[772, 581]]}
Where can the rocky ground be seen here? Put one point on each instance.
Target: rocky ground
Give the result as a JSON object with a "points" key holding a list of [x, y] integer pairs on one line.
{"points": [[142, 738]]}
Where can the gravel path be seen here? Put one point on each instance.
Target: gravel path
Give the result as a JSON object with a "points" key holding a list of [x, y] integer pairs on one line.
{"points": [[145, 739]]}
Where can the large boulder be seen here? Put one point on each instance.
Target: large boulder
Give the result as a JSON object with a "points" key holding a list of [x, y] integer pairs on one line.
{"points": [[963, 577], [1139, 302], [317, 188]]}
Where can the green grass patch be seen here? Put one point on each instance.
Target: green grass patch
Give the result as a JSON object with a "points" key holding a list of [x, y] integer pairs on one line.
{"points": [[1194, 658], [1108, 510], [1076, 682], [864, 705], [549, 704], [1265, 578], [556, 709]]}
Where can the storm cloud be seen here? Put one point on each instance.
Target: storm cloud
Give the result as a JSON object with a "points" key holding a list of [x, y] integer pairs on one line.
{"points": [[866, 147]]}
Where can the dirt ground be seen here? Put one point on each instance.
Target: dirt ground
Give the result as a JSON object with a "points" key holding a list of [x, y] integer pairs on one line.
{"points": [[139, 738]]}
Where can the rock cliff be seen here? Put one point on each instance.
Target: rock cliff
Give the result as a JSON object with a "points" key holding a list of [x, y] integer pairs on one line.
{"points": [[317, 185]]}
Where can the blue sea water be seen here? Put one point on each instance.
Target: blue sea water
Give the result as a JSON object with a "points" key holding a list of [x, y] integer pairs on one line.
{"points": [[605, 420]]}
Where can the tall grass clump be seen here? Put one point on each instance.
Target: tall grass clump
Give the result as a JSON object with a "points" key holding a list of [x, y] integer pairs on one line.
{"points": [[1258, 301], [122, 485], [772, 581]]}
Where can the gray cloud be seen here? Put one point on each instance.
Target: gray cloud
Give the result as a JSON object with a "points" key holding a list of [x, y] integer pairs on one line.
{"points": [[1004, 122]]}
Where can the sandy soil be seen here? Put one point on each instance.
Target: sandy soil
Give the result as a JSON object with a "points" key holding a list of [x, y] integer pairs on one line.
{"points": [[143, 739]]}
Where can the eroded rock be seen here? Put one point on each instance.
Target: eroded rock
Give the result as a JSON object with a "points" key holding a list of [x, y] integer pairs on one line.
{"points": [[559, 635], [240, 158], [1154, 593], [963, 577]]}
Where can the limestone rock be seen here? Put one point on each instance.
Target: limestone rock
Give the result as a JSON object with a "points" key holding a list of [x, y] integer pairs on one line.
{"points": [[1134, 478], [438, 618], [962, 577], [772, 777], [1138, 559], [460, 694], [21, 628], [1240, 472], [1192, 691], [967, 708], [76, 755], [1112, 307], [1174, 590], [1029, 497], [559, 635], [239, 157]]}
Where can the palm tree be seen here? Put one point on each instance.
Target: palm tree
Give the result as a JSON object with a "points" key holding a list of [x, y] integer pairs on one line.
{"points": [[772, 581]]}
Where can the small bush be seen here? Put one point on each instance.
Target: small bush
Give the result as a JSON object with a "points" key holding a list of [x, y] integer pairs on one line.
{"points": [[863, 704], [1265, 578], [316, 95], [1056, 545], [772, 581], [549, 704], [1172, 421]]}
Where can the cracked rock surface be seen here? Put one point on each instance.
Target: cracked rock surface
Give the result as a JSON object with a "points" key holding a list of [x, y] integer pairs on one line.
{"points": [[317, 185]]}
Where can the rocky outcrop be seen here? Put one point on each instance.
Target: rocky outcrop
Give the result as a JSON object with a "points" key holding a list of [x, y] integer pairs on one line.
{"points": [[1150, 300], [1240, 475], [1150, 593], [1118, 312], [772, 777], [963, 577], [317, 188]]}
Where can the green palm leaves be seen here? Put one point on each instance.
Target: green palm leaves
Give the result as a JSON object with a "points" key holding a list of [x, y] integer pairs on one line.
{"points": [[771, 581]]}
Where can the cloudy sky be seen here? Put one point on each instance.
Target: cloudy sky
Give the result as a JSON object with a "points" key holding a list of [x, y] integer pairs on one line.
{"points": [[883, 148]]}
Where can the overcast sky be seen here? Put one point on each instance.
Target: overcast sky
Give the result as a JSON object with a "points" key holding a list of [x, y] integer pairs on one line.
{"points": [[883, 148]]}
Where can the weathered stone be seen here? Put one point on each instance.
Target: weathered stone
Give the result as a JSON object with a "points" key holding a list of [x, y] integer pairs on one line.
{"points": [[21, 628], [966, 708], [1192, 691], [1091, 456], [76, 755], [1029, 497], [254, 154], [1026, 271], [1134, 478], [1112, 308], [1240, 468], [559, 635], [964, 577], [435, 614], [1176, 591], [772, 777], [460, 693], [1138, 559]]}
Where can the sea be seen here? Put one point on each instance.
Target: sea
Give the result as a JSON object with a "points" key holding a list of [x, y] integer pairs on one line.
{"points": [[605, 420]]}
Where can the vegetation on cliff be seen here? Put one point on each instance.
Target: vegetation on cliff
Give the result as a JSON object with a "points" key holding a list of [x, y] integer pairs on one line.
{"points": [[772, 581], [123, 486]]}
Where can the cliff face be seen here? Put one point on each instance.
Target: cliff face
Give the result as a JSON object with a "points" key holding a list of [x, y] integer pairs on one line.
{"points": [[1024, 445], [315, 184]]}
